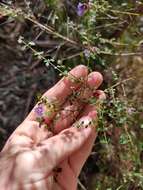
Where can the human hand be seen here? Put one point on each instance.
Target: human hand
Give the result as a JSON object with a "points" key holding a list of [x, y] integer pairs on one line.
{"points": [[40, 158]]}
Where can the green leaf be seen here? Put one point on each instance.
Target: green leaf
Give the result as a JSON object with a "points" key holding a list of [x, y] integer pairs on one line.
{"points": [[123, 139]]}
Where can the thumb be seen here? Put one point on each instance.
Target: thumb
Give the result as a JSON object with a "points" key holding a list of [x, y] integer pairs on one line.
{"points": [[59, 147]]}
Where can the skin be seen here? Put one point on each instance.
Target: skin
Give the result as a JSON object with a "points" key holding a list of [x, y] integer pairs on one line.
{"points": [[35, 158]]}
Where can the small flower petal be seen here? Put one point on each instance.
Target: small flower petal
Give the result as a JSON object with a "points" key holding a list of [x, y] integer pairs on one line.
{"points": [[87, 53], [81, 8], [39, 110]]}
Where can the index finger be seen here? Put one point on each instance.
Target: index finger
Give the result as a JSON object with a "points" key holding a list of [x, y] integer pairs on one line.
{"points": [[63, 88]]}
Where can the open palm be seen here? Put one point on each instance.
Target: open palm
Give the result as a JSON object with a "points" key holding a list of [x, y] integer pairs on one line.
{"points": [[35, 158]]}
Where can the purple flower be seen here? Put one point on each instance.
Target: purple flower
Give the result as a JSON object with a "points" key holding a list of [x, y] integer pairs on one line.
{"points": [[131, 111], [81, 8], [39, 110], [87, 53]]}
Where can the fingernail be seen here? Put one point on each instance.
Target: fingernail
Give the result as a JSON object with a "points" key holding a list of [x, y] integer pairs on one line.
{"points": [[95, 79], [80, 71], [100, 94]]}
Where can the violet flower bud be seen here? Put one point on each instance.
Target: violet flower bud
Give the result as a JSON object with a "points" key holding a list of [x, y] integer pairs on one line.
{"points": [[81, 8], [87, 53], [39, 110]]}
